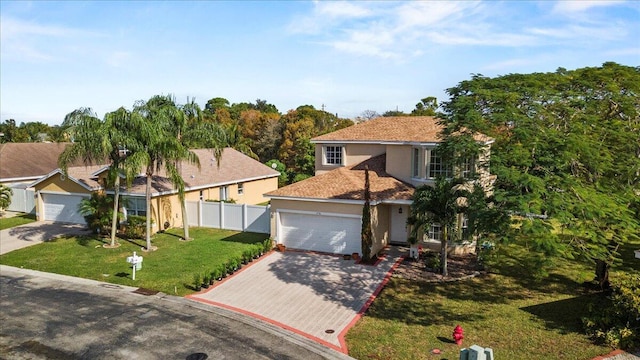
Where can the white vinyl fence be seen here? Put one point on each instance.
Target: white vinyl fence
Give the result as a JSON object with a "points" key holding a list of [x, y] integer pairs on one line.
{"points": [[22, 200], [220, 215]]}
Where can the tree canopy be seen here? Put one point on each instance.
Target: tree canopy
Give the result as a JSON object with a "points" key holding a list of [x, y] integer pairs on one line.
{"points": [[566, 154]]}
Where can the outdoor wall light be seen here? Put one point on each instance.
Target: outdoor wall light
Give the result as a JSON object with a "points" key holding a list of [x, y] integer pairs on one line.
{"points": [[400, 210]]}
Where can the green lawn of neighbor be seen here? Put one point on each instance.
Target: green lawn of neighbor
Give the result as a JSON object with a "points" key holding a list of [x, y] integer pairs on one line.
{"points": [[9, 222], [170, 269], [517, 316]]}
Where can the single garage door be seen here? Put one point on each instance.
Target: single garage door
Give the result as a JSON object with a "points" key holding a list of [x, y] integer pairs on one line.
{"points": [[331, 234], [62, 208]]}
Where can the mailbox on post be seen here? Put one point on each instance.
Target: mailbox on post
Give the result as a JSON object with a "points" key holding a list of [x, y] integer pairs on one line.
{"points": [[136, 263]]}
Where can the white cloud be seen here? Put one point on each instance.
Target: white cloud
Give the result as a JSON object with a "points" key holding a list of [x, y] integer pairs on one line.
{"points": [[340, 9], [569, 7], [118, 58]]}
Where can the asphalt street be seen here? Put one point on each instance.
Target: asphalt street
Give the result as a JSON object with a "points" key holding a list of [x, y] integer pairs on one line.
{"points": [[48, 316]]}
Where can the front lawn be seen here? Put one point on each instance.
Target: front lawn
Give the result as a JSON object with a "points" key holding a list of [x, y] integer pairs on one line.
{"points": [[517, 316], [170, 269], [9, 222]]}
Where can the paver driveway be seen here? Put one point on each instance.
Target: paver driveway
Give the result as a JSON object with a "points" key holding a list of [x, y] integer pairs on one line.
{"points": [[304, 292], [34, 233]]}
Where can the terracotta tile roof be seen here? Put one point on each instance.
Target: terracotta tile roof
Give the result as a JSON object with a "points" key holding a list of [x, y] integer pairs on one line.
{"points": [[420, 129], [234, 167], [347, 183], [29, 160]]}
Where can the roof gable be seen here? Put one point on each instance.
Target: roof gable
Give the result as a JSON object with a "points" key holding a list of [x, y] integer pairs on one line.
{"points": [[347, 183]]}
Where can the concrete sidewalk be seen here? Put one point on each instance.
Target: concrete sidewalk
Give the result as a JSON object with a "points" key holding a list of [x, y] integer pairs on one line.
{"points": [[317, 296], [34, 233]]}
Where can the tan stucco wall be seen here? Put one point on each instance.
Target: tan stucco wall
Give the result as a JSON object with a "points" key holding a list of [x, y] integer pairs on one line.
{"points": [[354, 154], [379, 227], [56, 184], [399, 162], [252, 194]]}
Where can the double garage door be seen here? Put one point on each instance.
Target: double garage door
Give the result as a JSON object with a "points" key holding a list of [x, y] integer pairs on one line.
{"points": [[323, 233], [62, 208]]}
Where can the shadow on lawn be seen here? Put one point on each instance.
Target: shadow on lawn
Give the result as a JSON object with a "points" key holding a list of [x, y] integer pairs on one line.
{"points": [[246, 237], [563, 315]]}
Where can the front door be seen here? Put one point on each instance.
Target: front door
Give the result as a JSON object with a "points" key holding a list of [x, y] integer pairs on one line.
{"points": [[398, 224]]}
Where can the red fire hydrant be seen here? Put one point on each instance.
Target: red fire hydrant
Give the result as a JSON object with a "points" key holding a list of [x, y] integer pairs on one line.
{"points": [[458, 335]]}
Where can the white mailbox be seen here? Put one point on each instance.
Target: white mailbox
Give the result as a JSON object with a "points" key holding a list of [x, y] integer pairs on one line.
{"points": [[136, 263]]}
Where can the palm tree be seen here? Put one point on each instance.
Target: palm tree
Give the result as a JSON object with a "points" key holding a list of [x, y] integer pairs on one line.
{"points": [[163, 148], [437, 204], [97, 141]]}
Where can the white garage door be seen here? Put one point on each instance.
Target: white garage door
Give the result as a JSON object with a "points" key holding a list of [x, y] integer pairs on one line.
{"points": [[62, 208], [331, 234]]}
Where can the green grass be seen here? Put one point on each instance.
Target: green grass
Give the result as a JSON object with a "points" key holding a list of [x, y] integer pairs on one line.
{"points": [[516, 315], [9, 222], [170, 269]]}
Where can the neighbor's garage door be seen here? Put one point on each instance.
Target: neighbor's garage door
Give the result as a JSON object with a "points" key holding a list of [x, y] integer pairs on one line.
{"points": [[62, 208], [331, 234]]}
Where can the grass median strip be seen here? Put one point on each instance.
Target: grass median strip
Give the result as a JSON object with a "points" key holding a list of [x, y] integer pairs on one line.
{"points": [[170, 269], [9, 222]]}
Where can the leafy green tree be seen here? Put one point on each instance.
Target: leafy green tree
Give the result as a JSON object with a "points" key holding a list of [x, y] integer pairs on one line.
{"points": [[13, 133], [426, 107], [438, 204], [565, 155], [278, 166], [98, 212], [5, 196]]}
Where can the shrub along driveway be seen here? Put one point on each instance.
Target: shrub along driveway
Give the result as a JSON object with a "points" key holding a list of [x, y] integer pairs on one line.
{"points": [[317, 296]]}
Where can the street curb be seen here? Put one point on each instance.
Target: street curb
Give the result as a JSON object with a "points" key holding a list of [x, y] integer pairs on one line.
{"points": [[281, 333]]}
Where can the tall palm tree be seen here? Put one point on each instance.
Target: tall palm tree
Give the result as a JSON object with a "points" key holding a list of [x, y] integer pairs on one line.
{"points": [[162, 145], [95, 142], [437, 204]]}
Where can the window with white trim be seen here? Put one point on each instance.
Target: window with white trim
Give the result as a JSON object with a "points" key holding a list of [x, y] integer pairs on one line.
{"points": [[467, 168], [224, 192], [435, 232], [135, 206], [333, 155], [240, 188], [436, 166], [415, 162]]}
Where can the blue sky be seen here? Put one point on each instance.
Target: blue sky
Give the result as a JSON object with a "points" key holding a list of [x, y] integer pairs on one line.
{"points": [[350, 56]]}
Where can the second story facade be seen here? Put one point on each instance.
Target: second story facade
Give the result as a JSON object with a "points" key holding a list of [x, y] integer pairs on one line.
{"points": [[410, 145]]}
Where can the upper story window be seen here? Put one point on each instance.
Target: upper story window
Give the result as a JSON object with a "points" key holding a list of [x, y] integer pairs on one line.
{"points": [[467, 169], [437, 167], [415, 162], [240, 188], [333, 155]]}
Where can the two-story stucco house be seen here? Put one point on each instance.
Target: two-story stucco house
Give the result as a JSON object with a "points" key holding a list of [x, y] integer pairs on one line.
{"points": [[324, 213]]}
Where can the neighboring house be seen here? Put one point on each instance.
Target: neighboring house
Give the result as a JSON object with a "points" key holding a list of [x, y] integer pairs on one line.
{"points": [[324, 213], [236, 178], [23, 163]]}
